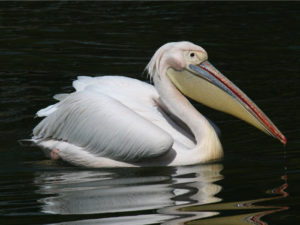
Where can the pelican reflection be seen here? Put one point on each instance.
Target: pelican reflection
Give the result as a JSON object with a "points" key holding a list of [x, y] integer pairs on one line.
{"points": [[168, 195], [131, 190]]}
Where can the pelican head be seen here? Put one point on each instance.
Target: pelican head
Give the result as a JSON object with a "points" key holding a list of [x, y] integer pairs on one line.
{"points": [[186, 66]]}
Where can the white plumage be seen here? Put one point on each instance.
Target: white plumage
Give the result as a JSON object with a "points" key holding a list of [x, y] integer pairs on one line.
{"points": [[115, 117], [118, 121]]}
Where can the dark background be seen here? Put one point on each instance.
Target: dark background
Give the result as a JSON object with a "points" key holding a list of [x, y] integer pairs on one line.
{"points": [[45, 45]]}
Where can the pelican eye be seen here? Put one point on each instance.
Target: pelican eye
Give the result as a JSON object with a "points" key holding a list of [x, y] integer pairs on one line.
{"points": [[191, 57]]}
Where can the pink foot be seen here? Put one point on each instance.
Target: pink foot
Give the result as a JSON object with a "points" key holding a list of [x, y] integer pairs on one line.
{"points": [[54, 154]]}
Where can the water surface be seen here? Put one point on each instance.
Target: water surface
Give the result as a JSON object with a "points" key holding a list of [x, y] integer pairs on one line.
{"points": [[44, 46]]}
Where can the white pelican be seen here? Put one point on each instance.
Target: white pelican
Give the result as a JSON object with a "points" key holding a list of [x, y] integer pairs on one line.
{"points": [[115, 121]]}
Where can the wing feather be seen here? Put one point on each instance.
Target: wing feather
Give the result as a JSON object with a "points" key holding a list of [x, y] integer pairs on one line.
{"points": [[103, 126]]}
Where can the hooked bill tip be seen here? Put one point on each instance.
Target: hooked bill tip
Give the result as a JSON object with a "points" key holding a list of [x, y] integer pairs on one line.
{"points": [[283, 140]]}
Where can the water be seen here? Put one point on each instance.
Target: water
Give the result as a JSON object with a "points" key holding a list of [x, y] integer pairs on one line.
{"points": [[44, 46]]}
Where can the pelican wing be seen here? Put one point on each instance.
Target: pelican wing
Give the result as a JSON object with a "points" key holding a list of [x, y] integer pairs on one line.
{"points": [[102, 125]]}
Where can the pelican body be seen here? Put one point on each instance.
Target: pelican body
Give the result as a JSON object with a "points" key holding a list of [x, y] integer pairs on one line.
{"points": [[115, 121]]}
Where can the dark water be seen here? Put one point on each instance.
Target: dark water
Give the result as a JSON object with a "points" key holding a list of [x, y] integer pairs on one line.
{"points": [[44, 46]]}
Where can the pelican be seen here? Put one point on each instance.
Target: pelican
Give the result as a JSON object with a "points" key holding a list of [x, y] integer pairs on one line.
{"points": [[115, 121]]}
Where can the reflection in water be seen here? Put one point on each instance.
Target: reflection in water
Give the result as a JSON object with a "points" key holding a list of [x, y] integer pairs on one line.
{"points": [[240, 219], [181, 195], [89, 192], [44, 47], [134, 191]]}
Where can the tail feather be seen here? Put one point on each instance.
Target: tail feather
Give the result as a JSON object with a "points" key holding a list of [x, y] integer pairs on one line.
{"points": [[47, 111], [27, 142], [60, 97], [82, 82]]}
